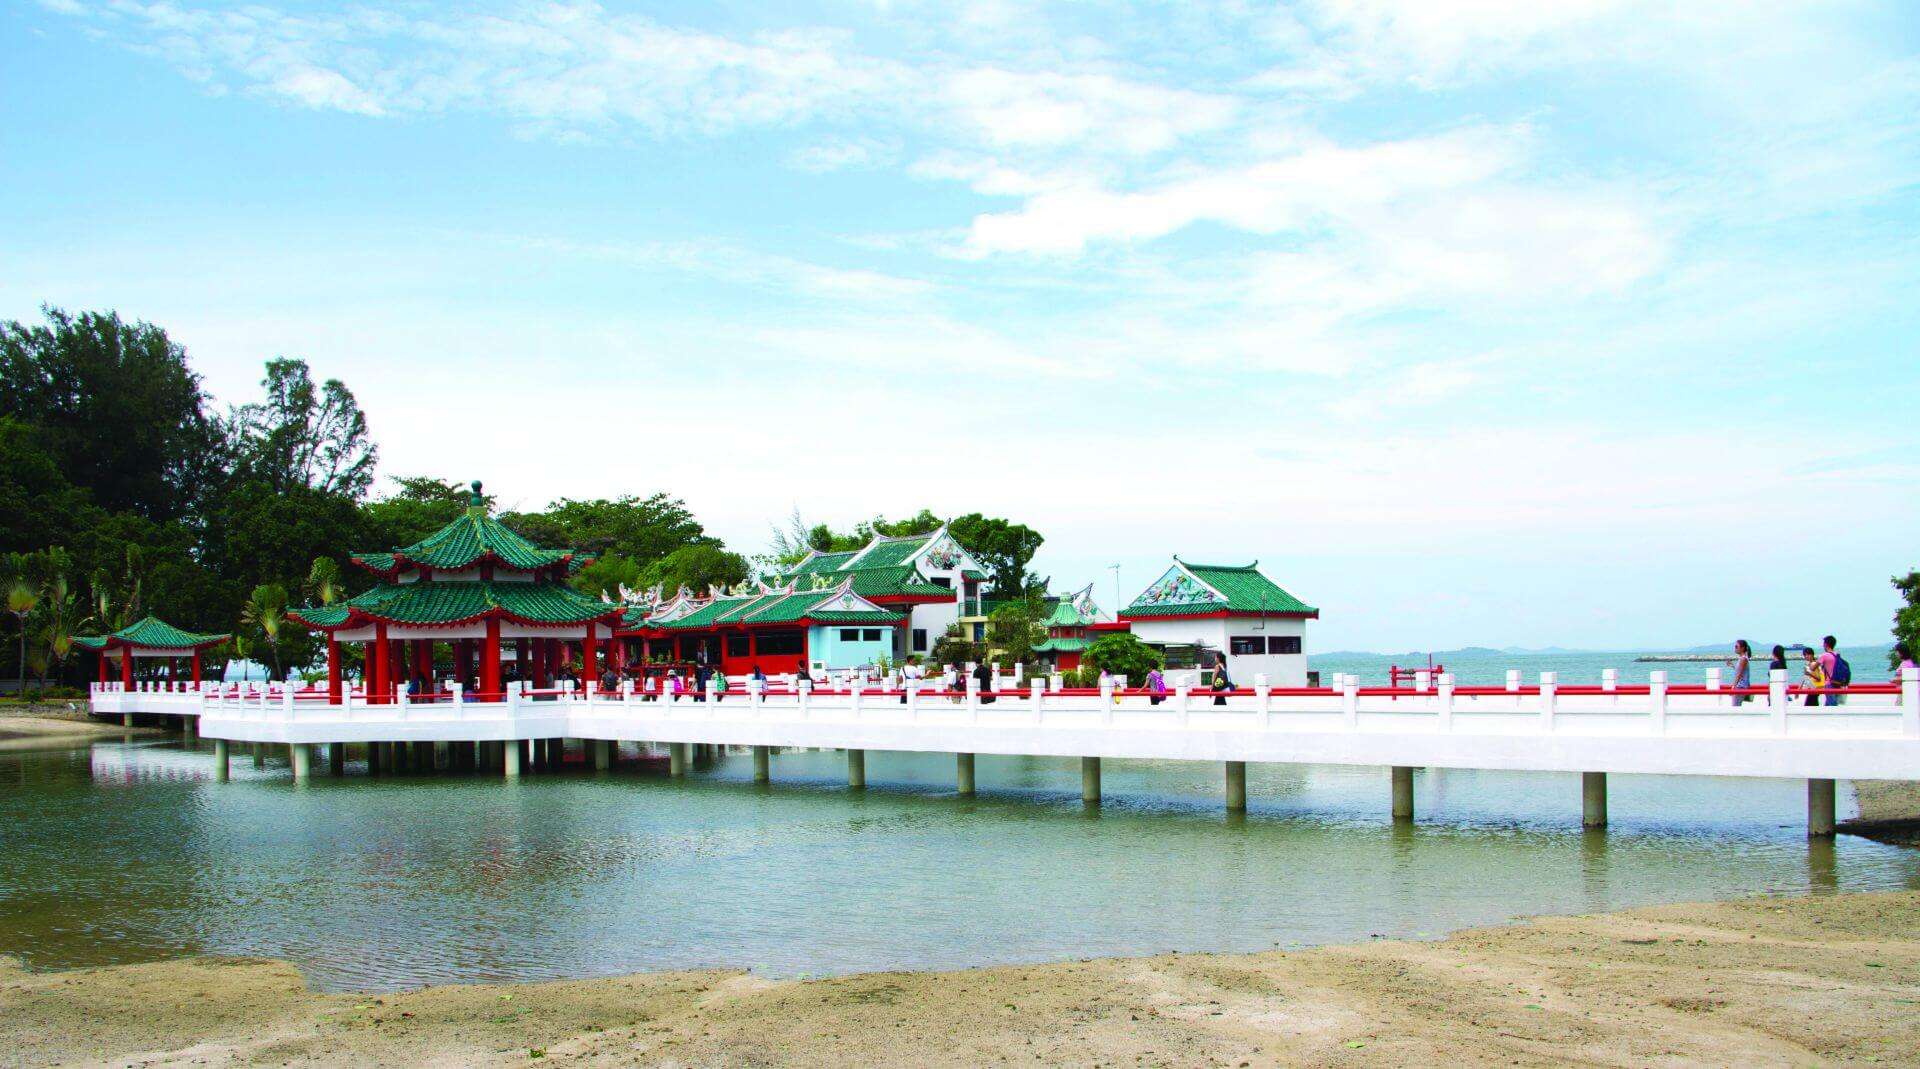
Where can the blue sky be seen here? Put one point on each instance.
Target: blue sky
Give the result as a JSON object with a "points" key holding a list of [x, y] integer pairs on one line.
{"points": [[1588, 323]]}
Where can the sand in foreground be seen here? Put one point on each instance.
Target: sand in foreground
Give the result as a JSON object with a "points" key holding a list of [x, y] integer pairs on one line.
{"points": [[1760, 982]]}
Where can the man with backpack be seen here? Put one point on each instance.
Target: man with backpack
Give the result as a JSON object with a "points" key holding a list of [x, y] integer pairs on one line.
{"points": [[1839, 672]]}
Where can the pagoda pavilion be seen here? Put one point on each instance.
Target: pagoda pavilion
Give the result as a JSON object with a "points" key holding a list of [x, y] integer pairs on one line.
{"points": [[150, 638], [473, 584], [1067, 625]]}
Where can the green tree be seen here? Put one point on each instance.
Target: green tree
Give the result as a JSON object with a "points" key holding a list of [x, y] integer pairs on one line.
{"points": [[302, 435], [1906, 622], [116, 407], [38, 505], [266, 613], [1123, 655], [642, 529], [696, 568], [323, 581], [23, 596], [1004, 549], [421, 506], [1012, 631], [954, 647], [605, 576]]}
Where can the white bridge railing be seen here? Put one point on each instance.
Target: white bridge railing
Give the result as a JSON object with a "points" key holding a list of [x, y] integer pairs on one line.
{"points": [[1658, 727]]}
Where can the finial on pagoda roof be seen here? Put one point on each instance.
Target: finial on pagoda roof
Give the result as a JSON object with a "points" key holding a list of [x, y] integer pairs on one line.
{"points": [[476, 504]]}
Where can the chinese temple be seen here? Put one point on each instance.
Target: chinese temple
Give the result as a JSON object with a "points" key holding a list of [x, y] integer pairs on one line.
{"points": [[474, 586], [149, 638], [1068, 624], [1231, 610]]}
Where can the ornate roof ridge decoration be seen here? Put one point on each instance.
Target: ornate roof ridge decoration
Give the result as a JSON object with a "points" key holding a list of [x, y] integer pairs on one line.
{"points": [[151, 633], [1187, 589]]}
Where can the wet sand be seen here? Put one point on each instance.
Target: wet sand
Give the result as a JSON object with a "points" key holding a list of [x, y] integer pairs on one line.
{"points": [[1787, 981], [40, 726]]}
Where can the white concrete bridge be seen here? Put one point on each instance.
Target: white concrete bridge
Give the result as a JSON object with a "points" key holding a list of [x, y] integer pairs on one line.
{"points": [[1655, 728]]}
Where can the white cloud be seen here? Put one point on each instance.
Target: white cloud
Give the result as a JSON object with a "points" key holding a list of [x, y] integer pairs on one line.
{"points": [[1096, 112]]}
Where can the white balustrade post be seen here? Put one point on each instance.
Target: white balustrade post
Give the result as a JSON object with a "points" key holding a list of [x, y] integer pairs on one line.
{"points": [[1262, 694], [1039, 692], [286, 702], [1777, 699], [913, 699], [1106, 699], [1056, 683], [458, 691], [1549, 688], [1423, 681], [1713, 679], [1446, 701], [1019, 674], [1910, 702], [1513, 680], [973, 696], [1180, 702], [1657, 700], [806, 696], [1609, 679], [713, 695], [1350, 701], [853, 703], [513, 705]]}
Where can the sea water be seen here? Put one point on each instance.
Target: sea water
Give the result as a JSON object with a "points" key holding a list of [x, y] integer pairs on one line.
{"points": [[128, 851]]}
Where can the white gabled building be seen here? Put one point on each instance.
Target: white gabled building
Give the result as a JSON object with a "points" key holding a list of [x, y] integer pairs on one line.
{"points": [[929, 577], [1233, 610]]}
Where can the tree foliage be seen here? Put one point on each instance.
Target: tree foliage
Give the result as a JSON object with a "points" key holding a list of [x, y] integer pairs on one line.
{"points": [[696, 567], [1004, 549], [1906, 621], [1121, 654], [304, 436]]}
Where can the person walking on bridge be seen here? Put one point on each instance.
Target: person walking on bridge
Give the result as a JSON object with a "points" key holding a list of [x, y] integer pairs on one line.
{"points": [[1812, 676], [1742, 675]]}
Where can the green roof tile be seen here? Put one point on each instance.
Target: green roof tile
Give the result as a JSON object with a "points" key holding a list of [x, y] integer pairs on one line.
{"points": [[1243, 590], [152, 633], [887, 552], [441, 603]]}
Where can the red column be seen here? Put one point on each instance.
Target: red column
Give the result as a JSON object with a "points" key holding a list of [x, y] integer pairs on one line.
{"points": [[126, 667], [423, 660], [522, 650], [542, 663], [196, 668], [490, 662], [463, 659], [333, 669], [103, 665], [377, 654], [589, 659]]}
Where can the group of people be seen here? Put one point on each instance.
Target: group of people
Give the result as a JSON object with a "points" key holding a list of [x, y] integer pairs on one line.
{"points": [[1823, 670]]}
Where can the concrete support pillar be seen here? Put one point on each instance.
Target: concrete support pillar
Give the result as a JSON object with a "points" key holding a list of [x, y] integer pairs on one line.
{"points": [[302, 755], [259, 755], [126, 720], [762, 764], [336, 759], [856, 768], [220, 770], [1090, 779], [188, 724], [1819, 808], [602, 756], [512, 770], [963, 774], [1402, 792], [676, 759], [423, 757], [1593, 799], [1236, 785]]}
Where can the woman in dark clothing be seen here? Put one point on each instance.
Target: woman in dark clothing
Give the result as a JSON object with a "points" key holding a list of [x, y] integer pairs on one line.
{"points": [[1221, 684]]}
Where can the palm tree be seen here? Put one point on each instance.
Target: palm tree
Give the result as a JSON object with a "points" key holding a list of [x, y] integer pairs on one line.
{"points": [[323, 580], [267, 610], [22, 598], [62, 612]]}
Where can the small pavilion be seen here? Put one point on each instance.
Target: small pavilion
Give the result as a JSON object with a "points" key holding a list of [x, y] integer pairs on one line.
{"points": [[475, 585], [151, 638], [1067, 625]]}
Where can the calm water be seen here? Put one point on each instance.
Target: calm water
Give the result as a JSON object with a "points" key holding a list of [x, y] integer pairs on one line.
{"points": [[128, 851]]}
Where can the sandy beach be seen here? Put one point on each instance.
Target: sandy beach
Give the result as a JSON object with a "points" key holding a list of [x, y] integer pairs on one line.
{"points": [[1787, 981], [61, 723]]}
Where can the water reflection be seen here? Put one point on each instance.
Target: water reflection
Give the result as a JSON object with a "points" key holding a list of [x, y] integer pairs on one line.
{"points": [[129, 851]]}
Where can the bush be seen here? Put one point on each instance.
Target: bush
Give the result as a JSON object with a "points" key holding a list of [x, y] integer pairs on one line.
{"points": [[1123, 655]]}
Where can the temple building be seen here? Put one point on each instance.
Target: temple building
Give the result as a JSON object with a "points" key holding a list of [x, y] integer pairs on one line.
{"points": [[813, 621], [150, 639], [928, 577], [474, 585], [1233, 610], [1068, 623]]}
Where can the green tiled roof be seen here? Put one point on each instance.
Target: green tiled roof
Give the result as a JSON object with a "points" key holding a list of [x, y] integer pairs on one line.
{"points": [[151, 633], [460, 602], [1246, 592], [888, 552], [821, 563], [472, 537], [768, 609], [894, 581], [1062, 645]]}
